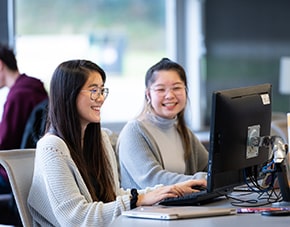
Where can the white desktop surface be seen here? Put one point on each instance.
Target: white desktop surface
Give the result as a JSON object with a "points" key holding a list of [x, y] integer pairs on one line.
{"points": [[237, 220]]}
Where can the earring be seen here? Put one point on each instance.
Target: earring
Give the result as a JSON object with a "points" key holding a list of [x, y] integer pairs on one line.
{"points": [[148, 100]]}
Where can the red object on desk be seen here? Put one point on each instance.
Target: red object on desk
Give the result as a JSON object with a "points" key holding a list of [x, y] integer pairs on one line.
{"points": [[259, 209]]}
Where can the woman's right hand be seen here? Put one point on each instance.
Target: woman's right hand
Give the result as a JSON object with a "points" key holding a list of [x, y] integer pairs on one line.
{"points": [[176, 190]]}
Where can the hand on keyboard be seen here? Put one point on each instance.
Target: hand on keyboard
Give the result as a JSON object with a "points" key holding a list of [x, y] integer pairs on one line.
{"points": [[198, 188]]}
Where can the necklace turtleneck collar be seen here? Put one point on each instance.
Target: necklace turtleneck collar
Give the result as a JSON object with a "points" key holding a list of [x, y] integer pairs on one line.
{"points": [[161, 122]]}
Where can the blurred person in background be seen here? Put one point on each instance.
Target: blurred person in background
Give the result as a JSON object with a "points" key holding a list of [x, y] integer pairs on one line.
{"points": [[24, 94]]}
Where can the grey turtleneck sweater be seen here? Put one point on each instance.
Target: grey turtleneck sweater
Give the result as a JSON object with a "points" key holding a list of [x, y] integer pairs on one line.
{"points": [[150, 152]]}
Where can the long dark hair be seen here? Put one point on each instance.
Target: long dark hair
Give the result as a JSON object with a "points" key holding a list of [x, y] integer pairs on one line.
{"points": [[167, 64], [63, 120]]}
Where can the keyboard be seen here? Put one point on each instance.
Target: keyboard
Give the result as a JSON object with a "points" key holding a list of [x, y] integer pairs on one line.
{"points": [[195, 198]]}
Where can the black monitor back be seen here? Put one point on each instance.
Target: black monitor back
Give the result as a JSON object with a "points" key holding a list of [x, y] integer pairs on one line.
{"points": [[238, 114]]}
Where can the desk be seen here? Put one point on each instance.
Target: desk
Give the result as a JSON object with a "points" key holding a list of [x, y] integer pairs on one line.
{"points": [[238, 220]]}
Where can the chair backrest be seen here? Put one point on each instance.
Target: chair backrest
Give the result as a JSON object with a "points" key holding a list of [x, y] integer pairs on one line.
{"points": [[19, 165], [35, 125]]}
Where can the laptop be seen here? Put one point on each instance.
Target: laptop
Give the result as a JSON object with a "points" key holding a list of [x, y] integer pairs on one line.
{"points": [[177, 212]]}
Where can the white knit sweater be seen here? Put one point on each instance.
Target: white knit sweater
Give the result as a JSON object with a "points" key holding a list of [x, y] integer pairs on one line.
{"points": [[59, 196]]}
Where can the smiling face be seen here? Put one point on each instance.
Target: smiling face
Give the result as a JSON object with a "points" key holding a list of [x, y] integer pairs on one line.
{"points": [[90, 110], [167, 94]]}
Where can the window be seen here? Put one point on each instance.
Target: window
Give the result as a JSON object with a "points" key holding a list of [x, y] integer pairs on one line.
{"points": [[124, 37]]}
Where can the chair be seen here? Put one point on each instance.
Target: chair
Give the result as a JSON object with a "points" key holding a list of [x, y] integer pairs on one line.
{"points": [[19, 165], [35, 126]]}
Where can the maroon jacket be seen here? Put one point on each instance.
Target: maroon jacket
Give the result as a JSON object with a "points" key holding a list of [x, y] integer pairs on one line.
{"points": [[23, 96]]}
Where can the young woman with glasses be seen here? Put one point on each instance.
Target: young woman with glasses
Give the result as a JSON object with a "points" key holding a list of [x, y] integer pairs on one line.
{"points": [[75, 181], [157, 147]]}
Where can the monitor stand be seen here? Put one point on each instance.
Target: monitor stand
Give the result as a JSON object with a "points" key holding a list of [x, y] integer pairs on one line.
{"points": [[283, 179], [281, 159]]}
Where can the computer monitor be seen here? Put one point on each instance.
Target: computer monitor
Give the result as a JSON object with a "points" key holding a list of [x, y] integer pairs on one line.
{"points": [[238, 115]]}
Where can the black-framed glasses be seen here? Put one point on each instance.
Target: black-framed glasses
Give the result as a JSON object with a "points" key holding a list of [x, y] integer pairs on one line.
{"points": [[96, 92]]}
